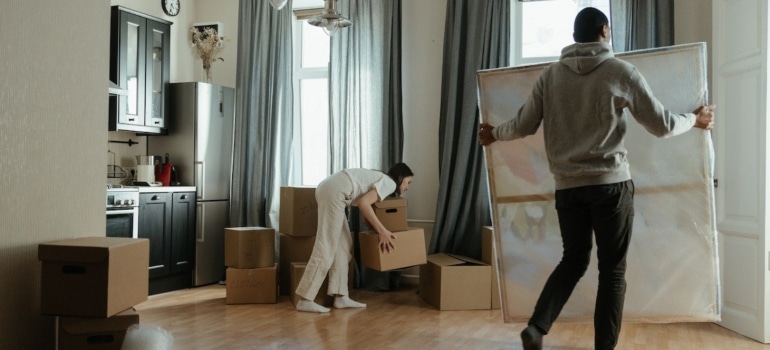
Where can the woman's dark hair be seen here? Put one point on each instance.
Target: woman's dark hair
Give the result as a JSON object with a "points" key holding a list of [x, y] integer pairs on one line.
{"points": [[398, 172], [589, 24]]}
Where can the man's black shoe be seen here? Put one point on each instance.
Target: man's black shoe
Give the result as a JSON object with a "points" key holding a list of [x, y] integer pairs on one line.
{"points": [[531, 338]]}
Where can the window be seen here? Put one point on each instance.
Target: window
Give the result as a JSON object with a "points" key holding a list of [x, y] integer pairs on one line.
{"points": [[311, 101], [540, 29]]}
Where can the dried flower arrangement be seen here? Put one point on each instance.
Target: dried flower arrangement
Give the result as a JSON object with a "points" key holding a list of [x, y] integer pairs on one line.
{"points": [[207, 44]]}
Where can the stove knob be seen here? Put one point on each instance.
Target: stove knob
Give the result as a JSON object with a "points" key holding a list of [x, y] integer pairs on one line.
{"points": [[118, 202], [129, 202]]}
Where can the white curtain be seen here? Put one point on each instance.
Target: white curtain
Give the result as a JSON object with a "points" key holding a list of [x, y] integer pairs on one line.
{"points": [[263, 113], [365, 108], [476, 36], [641, 24], [366, 128]]}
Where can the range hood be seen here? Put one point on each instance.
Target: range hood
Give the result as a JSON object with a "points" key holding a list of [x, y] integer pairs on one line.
{"points": [[115, 90]]}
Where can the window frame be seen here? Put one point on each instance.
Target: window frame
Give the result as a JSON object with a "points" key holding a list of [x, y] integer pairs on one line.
{"points": [[299, 74], [516, 23]]}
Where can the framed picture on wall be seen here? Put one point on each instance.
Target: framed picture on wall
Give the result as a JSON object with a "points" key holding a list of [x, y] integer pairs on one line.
{"points": [[218, 26]]}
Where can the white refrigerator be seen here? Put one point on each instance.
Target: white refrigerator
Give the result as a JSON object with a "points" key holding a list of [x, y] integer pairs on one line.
{"points": [[200, 146]]}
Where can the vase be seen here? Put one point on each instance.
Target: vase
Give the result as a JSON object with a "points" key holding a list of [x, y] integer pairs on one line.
{"points": [[207, 71]]}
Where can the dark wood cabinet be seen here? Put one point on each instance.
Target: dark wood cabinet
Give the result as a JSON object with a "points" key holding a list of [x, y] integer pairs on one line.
{"points": [[140, 46], [182, 232], [168, 220], [155, 225]]}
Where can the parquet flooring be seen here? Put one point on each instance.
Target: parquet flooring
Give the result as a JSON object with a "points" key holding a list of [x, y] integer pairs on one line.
{"points": [[198, 318]]}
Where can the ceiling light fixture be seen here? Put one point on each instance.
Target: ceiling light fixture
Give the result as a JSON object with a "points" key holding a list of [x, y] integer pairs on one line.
{"points": [[329, 19]]}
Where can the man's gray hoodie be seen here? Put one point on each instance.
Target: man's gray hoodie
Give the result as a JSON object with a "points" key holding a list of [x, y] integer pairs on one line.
{"points": [[583, 101]]}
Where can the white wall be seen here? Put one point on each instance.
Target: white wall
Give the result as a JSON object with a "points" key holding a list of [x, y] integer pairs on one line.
{"points": [[693, 24], [225, 12], [54, 68], [423, 42]]}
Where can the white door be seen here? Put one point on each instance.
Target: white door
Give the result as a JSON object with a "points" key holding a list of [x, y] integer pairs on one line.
{"points": [[740, 37]]}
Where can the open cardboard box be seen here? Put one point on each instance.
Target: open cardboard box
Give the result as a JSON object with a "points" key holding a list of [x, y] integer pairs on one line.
{"points": [[454, 282]]}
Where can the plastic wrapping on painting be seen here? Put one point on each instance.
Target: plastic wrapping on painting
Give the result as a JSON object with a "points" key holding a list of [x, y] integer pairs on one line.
{"points": [[673, 273]]}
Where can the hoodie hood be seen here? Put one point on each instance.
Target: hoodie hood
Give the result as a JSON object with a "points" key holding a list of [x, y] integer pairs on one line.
{"points": [[582, 58]]}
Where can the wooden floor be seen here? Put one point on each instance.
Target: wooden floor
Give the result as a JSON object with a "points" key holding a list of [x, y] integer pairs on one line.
{"points": [[199, 319]]}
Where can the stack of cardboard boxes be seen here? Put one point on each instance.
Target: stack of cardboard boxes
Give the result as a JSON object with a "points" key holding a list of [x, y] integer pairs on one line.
{"points": [[298, 222], [251, 269], [410, 241], [447, 281], [92, 284]]}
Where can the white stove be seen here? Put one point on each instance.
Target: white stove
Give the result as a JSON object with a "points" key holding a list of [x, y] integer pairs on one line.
{"points": [[122, 207]]}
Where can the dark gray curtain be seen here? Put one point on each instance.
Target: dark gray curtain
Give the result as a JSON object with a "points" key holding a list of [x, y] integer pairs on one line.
{"points": [[365, 105], [366, 128], [263, 112], [641, 24], [476, 36]]}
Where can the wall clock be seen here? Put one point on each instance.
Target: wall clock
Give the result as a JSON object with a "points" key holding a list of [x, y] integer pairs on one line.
{"points": [[170, 7]]}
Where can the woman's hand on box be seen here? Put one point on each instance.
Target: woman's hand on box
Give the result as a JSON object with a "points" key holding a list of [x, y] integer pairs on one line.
{"points": [[387, 243]]}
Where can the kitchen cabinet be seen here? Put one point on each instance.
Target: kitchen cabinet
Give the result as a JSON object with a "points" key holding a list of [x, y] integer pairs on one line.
{"points": [[167, 219], [139, 62]]}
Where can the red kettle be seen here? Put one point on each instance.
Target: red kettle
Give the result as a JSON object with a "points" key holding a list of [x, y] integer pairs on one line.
{"points": [[163, 173]]}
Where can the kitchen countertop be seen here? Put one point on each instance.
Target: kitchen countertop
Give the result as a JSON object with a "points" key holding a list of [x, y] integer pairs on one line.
{"points": [[154, 189]]}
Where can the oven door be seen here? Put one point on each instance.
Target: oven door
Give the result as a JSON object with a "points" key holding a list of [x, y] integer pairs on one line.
{"points": [[123, 223]]}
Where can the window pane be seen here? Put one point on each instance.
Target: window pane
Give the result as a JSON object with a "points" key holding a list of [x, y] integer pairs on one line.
{"points": [[314, 106], [547, 25], [315, 47]]}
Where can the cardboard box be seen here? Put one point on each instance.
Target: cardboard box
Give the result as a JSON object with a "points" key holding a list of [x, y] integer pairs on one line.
{"points": [[410, 250], [291, 249], [489, 256], [249, 247], [93, 276], [251, 286], [76, 333], [323, 299], [298, 215], [453, 282], [392, 213]]}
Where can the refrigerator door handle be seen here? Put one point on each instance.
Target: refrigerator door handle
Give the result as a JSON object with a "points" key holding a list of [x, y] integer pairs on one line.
{"points": [[221, 103], [199, 179], [199, 231]]}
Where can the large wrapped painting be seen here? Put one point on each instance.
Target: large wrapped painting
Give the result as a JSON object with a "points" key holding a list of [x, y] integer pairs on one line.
{"points": [[673, 273]]}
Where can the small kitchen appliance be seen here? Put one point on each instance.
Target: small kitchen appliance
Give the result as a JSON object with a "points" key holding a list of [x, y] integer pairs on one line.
{"points": [[145, 171], [163, 172]]}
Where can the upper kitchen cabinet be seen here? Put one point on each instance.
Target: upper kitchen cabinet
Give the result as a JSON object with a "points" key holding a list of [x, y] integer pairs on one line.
{"points": [[139, 63]]}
